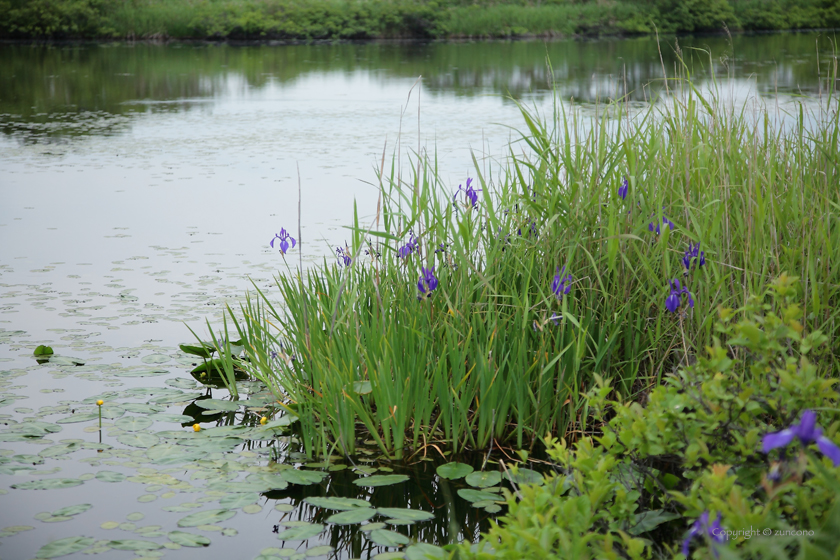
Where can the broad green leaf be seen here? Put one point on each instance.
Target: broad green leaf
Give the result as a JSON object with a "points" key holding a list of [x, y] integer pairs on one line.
{"points": [[352, 516], [236, 501], [133, 423], [380, 480], [110, 476], [322, 550], [63, 547], [49, 484], [483, 479], [525, 476], [477, 495], [60, 449], [200, 351], [341, 504], [42, 350], [301, 533], [155, 359], [188, 539], [406, 514], [454, 471], [423, 551], [362, 387], [171, 454], [134, 545], [218, 404], [142, 439], [303, 477], [384, 537], [72, 510], [208, 517]]}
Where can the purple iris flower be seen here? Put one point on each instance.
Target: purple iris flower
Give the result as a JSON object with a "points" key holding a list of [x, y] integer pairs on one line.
{"points": [[343, 254], [470, 193], [702, 529], [622, 190], [693, 253], [555, 319], [561, 285], [441, 248], [665, 222], [409, 247], [807, 432], [427, 282], [672, 302], [284, 238]]}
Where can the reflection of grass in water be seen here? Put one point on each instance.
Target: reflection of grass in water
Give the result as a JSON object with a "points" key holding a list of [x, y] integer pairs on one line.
{"points": [[492, 355]]}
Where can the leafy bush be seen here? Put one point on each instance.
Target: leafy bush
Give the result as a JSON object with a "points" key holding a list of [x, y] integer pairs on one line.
{"points": [[697, 450]]}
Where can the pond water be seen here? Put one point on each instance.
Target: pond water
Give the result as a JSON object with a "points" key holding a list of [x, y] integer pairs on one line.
{"points": [[139, 188]]}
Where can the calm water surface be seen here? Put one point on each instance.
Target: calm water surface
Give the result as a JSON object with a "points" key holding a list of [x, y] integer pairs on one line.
{"points": [[140, 185]]}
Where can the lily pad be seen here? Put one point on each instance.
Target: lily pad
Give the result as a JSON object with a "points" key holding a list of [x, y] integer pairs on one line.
{"points": [[423, 551], [454, 471], [352, 516], [63, 547], [362, 387], [236, 501], [301, 533], [134, 545], [318, 550], [42, 350], [303, 477], [525, 476], [133, 423], [477, 495], [218, 404], [380, 480], [483, 479], [72, 510], [110, 476], [49, 484], [155, 359], [141, 439], [171, 454], [188, 539], [340, 504], [406, 514], [208, 517], [384, 537]]}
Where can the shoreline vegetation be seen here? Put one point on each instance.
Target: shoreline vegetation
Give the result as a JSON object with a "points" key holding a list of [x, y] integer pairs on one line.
{"points": [[296, 20]]}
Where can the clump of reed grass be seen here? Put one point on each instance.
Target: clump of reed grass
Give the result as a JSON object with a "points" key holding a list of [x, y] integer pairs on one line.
{"points": [[503, 347]]}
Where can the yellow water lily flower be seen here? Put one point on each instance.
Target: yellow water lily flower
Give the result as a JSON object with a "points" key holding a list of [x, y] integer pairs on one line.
{"points": [[100, 402], [196, 427]]}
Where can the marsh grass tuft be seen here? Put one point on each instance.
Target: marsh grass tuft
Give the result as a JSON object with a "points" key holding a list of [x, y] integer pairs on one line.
{"points": [[493, 354]]}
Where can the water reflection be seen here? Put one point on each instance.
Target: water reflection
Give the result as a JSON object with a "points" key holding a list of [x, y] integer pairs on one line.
{"points": [[67, 91]]}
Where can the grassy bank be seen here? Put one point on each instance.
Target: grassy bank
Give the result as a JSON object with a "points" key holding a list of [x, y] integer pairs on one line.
{"points": [[368, 19], [550, 272]]}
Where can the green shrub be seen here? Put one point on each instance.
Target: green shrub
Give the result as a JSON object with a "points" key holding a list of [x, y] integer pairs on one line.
{"points": [[696, 446]]}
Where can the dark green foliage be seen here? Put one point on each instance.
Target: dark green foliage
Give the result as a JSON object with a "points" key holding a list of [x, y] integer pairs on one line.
{"points": [[368, 19]]}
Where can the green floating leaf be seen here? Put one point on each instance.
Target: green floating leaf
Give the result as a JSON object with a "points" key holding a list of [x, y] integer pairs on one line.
{"points": [[60, 449], [384, 537], [649, 520], [406, 514], [72, 510], [483, 479], [200, 351], [362, 387], [318, 551], [208, 517], [134, 545], [110, 476], [218, 404], [42, 350], [171, 454], [78, 417], [340, 504], [454, 471], [477, 495], [63, 547], [352, 516], [380, 480], [301, 533], [236, 501], [493, 508], [525, 476], [302, 477], [141, 439], [155, 359], [423, 551], [49, 484], [188, 539], [174, 418], [133, 423]]}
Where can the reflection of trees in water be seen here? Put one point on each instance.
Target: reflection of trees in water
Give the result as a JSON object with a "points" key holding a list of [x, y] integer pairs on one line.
{"points": [[41, 83]]}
